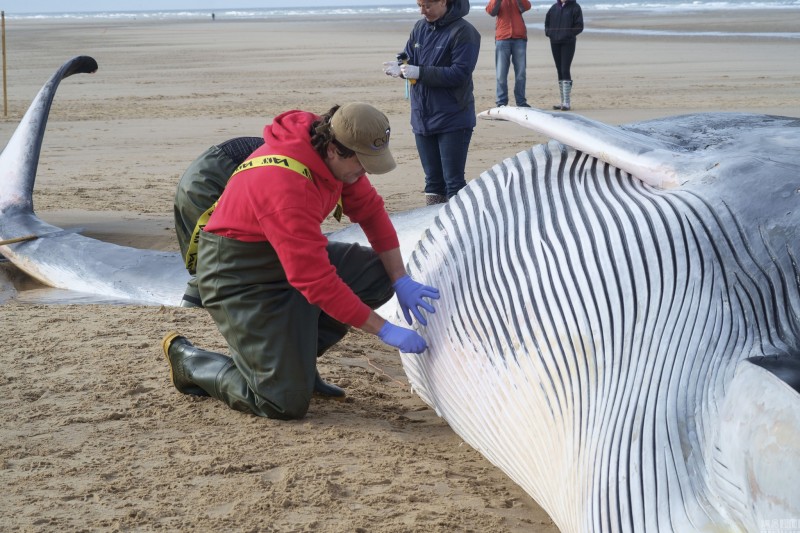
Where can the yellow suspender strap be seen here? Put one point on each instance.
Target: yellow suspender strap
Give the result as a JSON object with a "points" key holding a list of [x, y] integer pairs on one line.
{"points": [[274, 161], [260, 161]]}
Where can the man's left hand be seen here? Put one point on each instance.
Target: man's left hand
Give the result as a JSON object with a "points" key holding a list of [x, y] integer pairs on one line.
{"points": [[411, 294]]}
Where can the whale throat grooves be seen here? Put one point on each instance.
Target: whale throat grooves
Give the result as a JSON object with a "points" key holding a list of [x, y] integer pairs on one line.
{"points": [[568, 288]]}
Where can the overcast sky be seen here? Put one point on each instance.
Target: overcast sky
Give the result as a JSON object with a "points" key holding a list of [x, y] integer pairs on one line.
{"points": [[60, 6]]}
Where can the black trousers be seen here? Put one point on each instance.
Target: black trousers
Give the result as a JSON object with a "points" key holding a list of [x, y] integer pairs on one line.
{"points": [[562, 55]]}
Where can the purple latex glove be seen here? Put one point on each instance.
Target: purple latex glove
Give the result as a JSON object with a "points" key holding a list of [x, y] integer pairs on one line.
{"points": [[405, 340], [410, 295]]}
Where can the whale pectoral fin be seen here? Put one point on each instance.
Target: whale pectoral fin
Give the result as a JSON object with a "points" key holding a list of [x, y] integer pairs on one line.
{"points": [[655, 162], [755, 453]]}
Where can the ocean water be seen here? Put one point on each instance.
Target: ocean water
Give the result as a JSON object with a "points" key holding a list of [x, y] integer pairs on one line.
{"points": [[654, 7], [651, 6]]}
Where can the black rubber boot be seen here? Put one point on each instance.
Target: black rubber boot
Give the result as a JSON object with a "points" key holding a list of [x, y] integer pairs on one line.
{"points": [[328, 390], [185, 360]]}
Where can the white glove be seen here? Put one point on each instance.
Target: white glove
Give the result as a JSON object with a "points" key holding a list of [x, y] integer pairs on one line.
{"points": [[410, 72], [391, 68]]}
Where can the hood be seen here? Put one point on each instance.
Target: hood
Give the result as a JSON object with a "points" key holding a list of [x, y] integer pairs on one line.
{"points": [[457, 10], [289, 134]]}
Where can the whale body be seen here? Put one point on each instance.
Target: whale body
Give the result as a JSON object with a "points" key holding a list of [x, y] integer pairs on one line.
{"points": [[619, 328]]}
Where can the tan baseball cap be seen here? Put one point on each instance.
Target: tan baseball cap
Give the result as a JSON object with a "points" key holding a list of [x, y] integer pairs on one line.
{"points": [[365, 130]]}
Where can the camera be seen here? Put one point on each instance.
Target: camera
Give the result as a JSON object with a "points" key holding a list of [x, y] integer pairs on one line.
{"points": [[402, 59]]}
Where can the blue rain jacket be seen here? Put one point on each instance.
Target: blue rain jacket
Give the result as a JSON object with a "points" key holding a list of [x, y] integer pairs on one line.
{"points": [[446, 51]]}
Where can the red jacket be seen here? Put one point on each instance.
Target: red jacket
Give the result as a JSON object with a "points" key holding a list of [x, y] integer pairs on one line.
{"points": [[285, 208], [509, 24]]}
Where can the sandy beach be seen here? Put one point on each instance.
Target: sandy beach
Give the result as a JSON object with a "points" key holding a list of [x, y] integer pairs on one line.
{"points": [[93, 437]]}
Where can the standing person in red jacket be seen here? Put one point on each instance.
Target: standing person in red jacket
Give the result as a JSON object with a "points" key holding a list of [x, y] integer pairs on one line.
{"points": [[510, 43], [278, 291]]}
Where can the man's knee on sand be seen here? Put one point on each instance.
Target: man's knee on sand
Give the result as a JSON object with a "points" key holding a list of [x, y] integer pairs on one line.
{"points": [[293, 406]]}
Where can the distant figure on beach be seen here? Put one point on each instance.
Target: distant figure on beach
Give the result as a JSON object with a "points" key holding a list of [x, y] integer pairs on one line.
{"points": [[280, 294], [213, 17], [510, 43], [441, 54], [562, 24]]}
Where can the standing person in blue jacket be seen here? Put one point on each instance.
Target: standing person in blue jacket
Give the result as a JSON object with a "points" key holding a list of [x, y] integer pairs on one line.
{"points": [[440, 56], [562, 24]]}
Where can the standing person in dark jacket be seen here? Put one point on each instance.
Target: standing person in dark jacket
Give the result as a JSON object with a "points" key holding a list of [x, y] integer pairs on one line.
{"points": [[562, 24], [441, 54], [510, 43]]}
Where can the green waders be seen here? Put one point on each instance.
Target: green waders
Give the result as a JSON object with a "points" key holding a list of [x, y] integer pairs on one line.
{"points": [[199, 187], [274, 335]]}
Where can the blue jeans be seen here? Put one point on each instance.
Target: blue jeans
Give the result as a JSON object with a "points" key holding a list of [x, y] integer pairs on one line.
{"points": [[443, 157], [506, 53]]}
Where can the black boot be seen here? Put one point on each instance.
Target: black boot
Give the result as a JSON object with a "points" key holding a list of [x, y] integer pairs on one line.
{"points": [[327, 390], [184, 358]]}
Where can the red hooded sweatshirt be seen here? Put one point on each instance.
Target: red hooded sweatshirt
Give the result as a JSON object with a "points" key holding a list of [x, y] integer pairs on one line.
{"points": [[286, 209]]}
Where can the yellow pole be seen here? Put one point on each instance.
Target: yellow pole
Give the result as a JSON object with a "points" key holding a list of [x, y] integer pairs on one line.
{"points": [[5, 89]]}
